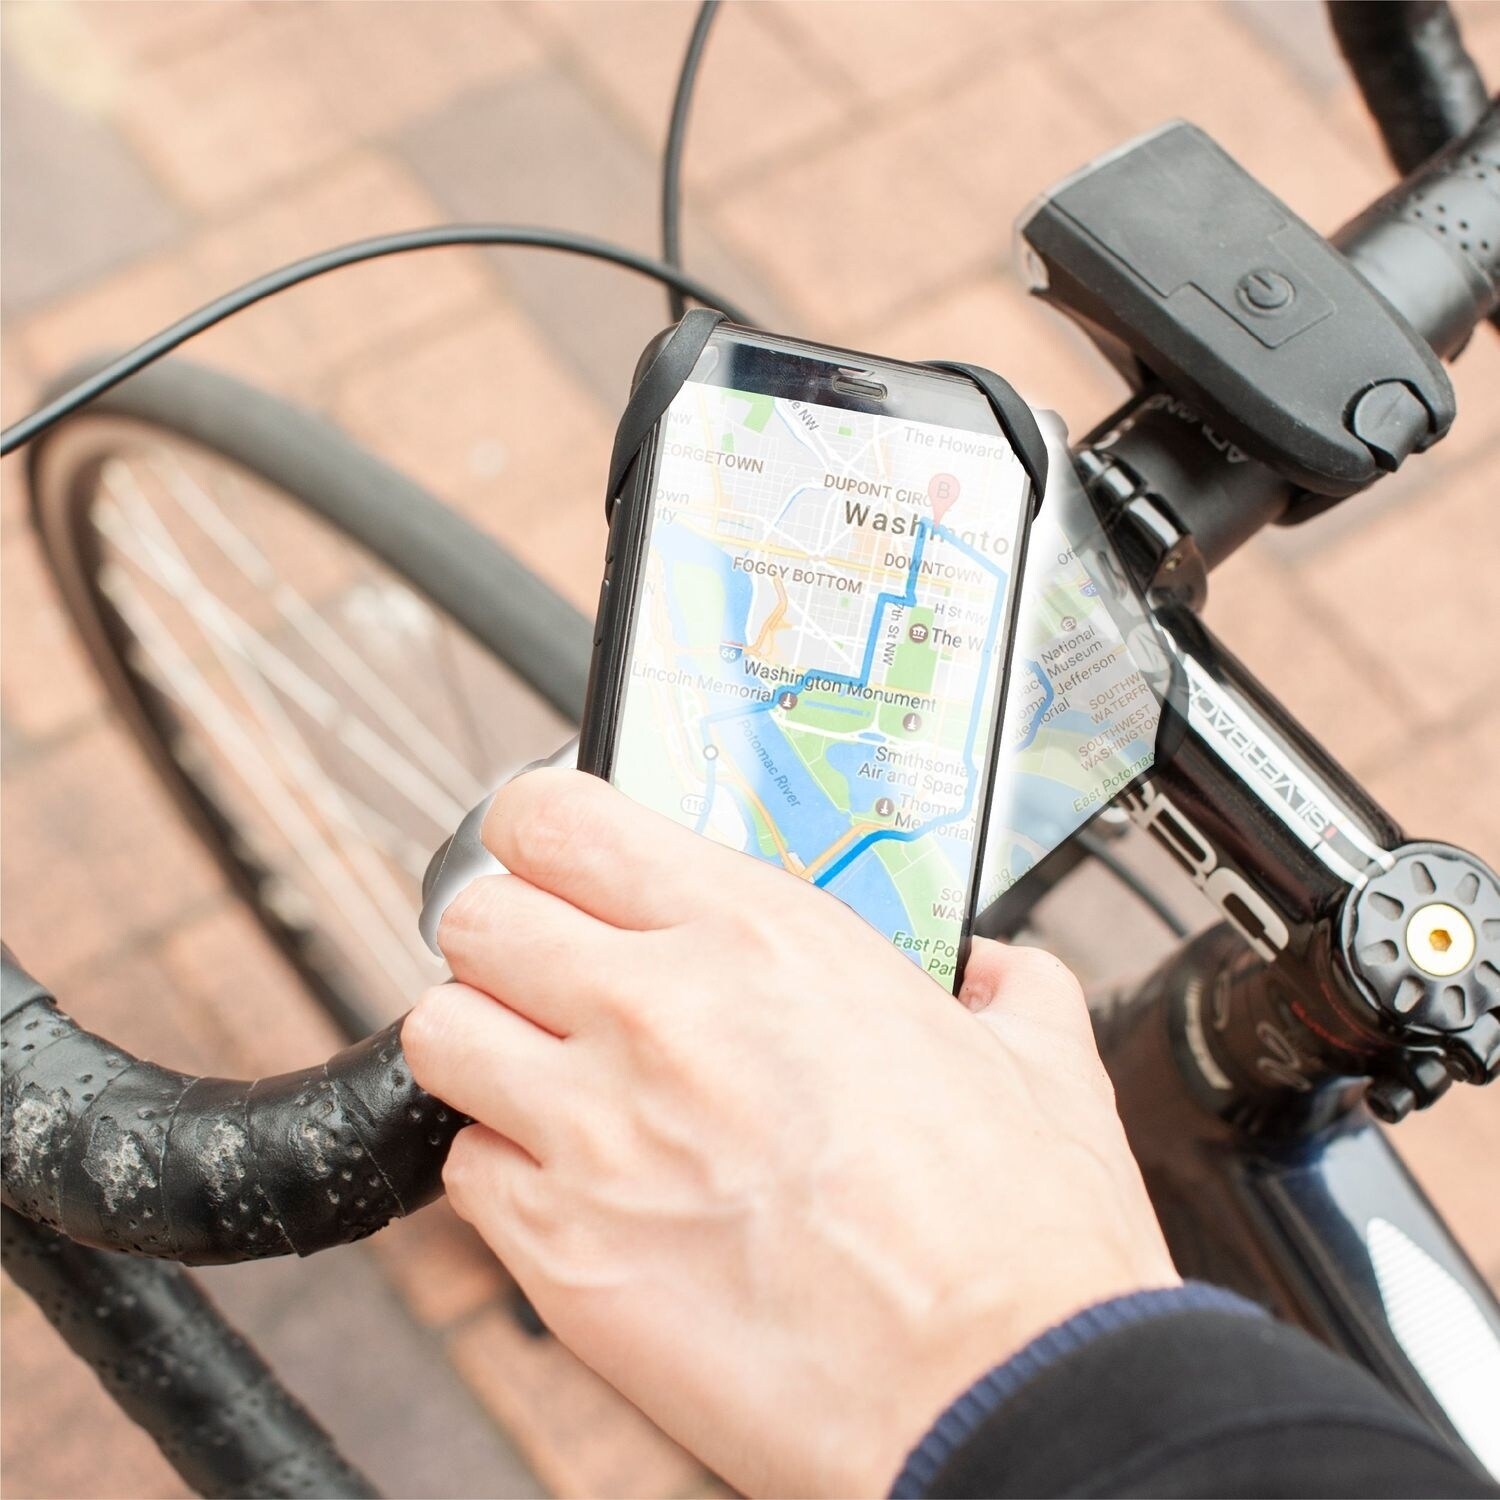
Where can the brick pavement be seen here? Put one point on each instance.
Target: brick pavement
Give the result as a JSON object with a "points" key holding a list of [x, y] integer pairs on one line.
{"points": [[853, 173]]}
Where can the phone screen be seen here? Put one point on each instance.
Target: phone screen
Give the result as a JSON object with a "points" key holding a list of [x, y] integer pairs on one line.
{"points": [[818, 637]]}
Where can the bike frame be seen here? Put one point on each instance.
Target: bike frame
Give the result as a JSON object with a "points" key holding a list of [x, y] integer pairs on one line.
{"points": [[1247, 1064]]}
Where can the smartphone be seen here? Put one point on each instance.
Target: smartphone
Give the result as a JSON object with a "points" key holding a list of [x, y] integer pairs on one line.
{"points": [[805, 623]]}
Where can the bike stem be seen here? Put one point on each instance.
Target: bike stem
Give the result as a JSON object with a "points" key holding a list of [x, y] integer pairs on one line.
{"points": [[1243, 1064], [1347, 954], [1344, 951]]}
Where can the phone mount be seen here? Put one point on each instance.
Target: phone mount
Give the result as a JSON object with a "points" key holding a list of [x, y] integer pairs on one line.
{"points": [[668, 361], [1181, 266]]}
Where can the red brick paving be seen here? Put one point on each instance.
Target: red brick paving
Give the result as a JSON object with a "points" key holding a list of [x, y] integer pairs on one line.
{"points": [[764, 96], [863, 162], [572, 1428]]}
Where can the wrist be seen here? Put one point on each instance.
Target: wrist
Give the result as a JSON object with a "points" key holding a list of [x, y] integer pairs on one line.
{"points": [[962, 1417], [897, 1402]]}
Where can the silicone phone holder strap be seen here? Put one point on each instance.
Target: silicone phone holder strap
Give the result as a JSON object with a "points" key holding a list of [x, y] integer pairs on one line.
{"points": [[656, 387], [654, 391], [1017, 421]]}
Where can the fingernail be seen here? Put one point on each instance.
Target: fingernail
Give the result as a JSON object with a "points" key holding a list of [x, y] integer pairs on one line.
{"points": [[974, 997]]}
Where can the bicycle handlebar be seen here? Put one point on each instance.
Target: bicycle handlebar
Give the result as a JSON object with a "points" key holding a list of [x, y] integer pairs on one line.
{"points": [[177, 1369], [1411, 66], [1431, 246], [123, 1154]]}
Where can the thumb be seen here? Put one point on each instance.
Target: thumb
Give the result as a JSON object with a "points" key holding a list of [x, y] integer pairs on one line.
{"points": [[1023, 984]]}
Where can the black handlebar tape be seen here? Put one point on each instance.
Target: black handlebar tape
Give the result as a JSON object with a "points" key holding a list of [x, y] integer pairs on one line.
{"points": [[125, 1155], [1431, 246], [175, 1367], [1416, 78]]}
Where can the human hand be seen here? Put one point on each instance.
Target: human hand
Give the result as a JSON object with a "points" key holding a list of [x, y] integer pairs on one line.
{"points": [[746, 1159]]}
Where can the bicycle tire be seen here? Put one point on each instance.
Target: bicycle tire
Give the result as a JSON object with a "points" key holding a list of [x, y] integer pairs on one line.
{"points": [[504, 608]]}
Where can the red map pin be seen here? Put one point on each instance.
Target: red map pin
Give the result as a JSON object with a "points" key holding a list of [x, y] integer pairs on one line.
{"points": [[942, 490]]}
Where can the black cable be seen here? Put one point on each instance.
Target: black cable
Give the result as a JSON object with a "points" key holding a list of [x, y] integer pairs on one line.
{"points": [[311, 266], [671, 163], [1096, 848]]}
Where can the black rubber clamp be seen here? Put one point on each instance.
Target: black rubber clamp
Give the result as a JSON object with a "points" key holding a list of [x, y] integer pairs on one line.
{"points": [[669, 360], [654, 389], [1017, 421]]}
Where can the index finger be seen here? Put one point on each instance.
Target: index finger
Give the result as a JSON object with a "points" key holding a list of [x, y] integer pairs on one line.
{"points": [[578, 837]]}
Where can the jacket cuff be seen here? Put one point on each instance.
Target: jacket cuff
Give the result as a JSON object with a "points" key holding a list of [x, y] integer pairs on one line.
{"points": [[985, 1397]]}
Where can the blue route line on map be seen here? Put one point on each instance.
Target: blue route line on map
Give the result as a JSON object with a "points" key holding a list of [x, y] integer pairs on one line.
{"points": [[908, 598], [1049, 697], [908, 835]]}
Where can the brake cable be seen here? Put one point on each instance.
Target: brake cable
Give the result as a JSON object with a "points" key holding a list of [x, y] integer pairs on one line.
{"points": [[671, 161], [298, 271]]}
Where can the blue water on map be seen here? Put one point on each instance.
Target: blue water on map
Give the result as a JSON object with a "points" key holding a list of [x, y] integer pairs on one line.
{"points": [[959, 847], [678, 544], [846, 757], [867, 886], [748, 733], [811, 824]]}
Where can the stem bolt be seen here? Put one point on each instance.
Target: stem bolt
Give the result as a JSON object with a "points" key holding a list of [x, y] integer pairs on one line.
{"points": [[1440, 939]]}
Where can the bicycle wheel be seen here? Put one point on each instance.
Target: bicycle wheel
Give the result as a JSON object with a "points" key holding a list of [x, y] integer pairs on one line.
{"points": [[325, 666]]}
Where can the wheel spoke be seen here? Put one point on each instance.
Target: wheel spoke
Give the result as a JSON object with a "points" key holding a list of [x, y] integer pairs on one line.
{"points": [[333, 720], [252, 563], [167, 568], [291, 747], [189, 687]]}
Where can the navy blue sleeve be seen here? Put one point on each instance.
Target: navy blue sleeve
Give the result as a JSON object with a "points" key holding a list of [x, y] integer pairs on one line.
{"points": [[1187, 1391]]}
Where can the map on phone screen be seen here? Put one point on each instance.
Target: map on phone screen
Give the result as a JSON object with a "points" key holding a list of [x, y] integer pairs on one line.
{"points": [[818, 636]]}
